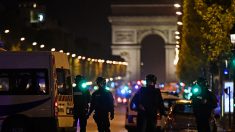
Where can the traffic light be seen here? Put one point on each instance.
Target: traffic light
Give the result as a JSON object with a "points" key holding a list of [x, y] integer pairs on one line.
{"points": [[83, 85], [232, 61], [196, 89]]}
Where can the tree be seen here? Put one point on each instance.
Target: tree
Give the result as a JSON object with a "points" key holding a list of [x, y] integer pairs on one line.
{"points": [[191, 57], [205, 35], [219, 17]]}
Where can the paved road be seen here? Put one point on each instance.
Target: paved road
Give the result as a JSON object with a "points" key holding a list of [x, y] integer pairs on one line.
{"points": [[117, 124]]}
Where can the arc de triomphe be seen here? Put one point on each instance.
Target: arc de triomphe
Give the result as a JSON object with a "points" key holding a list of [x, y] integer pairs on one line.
{"points": [[129, 30]]}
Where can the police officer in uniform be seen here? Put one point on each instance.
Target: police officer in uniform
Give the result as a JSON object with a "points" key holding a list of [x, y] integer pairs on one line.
{"points": [[102, 103], [203, 102], [148, 102], [81, 100]]}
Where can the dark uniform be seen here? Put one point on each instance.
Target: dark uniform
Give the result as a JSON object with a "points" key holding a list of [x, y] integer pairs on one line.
{"points": [[148, 102], [81, 100], [203, 104], [103, 104]]}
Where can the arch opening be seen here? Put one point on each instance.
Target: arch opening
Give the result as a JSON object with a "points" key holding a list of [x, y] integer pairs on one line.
{"points": [[153, 57]]}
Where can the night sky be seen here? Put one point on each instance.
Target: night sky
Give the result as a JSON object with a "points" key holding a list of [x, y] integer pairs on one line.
{"points": [[86, 18]]}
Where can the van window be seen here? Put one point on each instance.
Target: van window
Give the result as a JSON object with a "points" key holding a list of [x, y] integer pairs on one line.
{"points": [[24, 82], [64, 82]]}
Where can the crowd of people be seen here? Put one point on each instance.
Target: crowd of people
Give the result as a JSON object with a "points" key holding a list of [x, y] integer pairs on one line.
{"points": [[147, 102]]}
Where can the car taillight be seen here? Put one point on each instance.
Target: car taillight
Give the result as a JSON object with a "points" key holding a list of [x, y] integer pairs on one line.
{"points": [[56, 107], [124, 100], [119, 100]]}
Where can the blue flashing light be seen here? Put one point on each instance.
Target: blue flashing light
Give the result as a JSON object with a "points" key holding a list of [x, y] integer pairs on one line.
{"points": [[125, 88], [136, 86], [123, 91], [161, 85], [225, 71], [112, 84]]}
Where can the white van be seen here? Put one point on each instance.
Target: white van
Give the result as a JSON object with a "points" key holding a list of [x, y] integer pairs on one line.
{"points": [[35, 91]]}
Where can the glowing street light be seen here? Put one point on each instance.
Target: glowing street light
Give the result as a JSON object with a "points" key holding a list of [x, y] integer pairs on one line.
{"points": [[42, 46], [177, 32], [177, 5], [177, 37], [73, 55], [179, 23], [22, 39], [7, 31], [178, 13], [34, 43], [52, 49]]}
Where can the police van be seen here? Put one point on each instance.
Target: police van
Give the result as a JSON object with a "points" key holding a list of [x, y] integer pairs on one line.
{"points": [[35, 91]]}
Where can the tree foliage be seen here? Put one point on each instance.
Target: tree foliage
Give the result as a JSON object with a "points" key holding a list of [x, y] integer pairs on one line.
{"points": [[192, 60], [219, 18], [205, 35]]}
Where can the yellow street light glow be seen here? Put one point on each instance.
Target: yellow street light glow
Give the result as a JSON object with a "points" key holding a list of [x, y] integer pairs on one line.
{"points": [[79, 57], [179, 23], [73, 55], [89, 59], [52, 49], [177, 42], [177, 5], [42, 46], [177, 46], [83, 57], [178, 13], [61, 51], [177, 37], [177, 32], [7, 31], [34, 5], [68, 53], [34, 43], [22, 39]]}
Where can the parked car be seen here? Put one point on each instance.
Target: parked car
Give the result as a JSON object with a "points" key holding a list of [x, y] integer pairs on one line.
{"points": [[131, 116], [181, 118]]}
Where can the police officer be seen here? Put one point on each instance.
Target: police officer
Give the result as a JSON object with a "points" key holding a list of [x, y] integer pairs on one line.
{"points": [[203, 102], [81, 100], [148, 102], [102, 103]]}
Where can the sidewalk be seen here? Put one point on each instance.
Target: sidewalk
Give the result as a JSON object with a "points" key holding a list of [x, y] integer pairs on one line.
{"points": [[223, 125]]}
